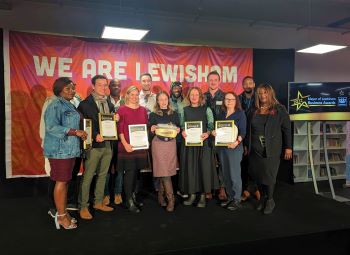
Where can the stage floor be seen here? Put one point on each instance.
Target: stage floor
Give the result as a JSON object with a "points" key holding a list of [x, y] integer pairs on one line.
{"points": [[302, 221]]}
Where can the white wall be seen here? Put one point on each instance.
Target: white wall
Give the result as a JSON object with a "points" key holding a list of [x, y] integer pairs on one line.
{"points": [[332, 66]]}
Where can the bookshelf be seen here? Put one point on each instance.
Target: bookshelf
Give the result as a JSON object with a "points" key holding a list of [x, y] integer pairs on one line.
{"points": [[336, 147]]}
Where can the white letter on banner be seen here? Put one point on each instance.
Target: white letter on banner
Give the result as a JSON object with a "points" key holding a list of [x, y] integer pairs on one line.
{"points": [[89, 68], [191, 75], [44, 67], [201, 74], [119, 70], [137, 71], [152, 69], [182, 73], [216, 68], [64, 67], [229, 76], [105, 68], [169, 73]]}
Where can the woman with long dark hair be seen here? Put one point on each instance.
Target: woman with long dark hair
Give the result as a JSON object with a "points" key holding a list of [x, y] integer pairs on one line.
{"points": [[269, 129]]}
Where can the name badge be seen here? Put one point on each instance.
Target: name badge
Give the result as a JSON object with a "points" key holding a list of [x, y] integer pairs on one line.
{"points": [[218, 102]]}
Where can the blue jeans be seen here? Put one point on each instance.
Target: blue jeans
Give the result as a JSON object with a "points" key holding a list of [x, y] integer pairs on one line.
{"points": [[118, 183], [230, 160]]}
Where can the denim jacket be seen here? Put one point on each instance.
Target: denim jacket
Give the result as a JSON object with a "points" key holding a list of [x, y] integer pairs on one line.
{"points": [[60, 116]]}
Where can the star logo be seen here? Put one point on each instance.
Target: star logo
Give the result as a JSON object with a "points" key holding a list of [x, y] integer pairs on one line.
{"points": [[299, 101], [341, 93]]}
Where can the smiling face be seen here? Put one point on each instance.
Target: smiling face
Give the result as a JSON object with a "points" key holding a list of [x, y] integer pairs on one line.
{"points": [[133, 97], [194, 97], [100, 87], [230, 101], [264, 97], [115, 87], [163, 101], [176, 91], [248, 85], [213, 82], [146, 82], [68, 92]]}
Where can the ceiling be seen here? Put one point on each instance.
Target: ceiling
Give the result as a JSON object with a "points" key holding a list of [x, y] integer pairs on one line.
{"points": [[226, 23]]}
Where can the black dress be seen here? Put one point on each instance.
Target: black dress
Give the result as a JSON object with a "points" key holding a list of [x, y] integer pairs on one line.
{"points": [[262, 169], [197, 167]]}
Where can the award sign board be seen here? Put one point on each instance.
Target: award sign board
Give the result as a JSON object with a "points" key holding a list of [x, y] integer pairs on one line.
{"points": [[138, 135], [226, 132], [319, 100], [108, 126], [193, 130], [88, 129]]}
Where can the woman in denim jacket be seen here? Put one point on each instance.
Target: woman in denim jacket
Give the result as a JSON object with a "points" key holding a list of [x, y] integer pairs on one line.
{"points": [[62, 145]]}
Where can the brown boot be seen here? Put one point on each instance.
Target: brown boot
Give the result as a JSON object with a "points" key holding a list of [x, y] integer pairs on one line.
{"points": [[85, 214], [103, 207], [168, 186], [245, 195], [161, 193]]}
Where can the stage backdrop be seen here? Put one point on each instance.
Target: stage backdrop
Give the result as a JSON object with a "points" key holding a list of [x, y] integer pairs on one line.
{"points": [[34, 61]]}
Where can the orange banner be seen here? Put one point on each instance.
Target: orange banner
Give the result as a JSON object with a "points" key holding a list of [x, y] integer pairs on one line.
{"points": [[34, 61]]}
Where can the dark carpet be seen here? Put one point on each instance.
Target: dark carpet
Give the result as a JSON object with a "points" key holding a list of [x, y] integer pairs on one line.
{"points": [[302, 222]]}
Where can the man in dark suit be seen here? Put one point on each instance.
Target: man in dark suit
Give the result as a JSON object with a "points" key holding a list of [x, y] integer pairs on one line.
{"points": [[98, 158]]}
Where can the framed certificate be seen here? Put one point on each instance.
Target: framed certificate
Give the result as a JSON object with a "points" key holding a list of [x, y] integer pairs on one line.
{"points": [[138, 135], [226, 132], [194, 132], [88, 129], [108, 126]]}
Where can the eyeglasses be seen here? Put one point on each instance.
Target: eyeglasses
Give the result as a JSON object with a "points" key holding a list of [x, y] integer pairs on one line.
{"points": [[229, 99]]}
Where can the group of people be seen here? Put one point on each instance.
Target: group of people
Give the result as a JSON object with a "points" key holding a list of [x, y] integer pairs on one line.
{"points": [[264, 134]]}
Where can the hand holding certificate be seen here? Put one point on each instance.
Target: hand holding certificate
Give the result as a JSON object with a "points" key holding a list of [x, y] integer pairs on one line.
{"points": [[226, 132], [138, 137], [193, 130]]}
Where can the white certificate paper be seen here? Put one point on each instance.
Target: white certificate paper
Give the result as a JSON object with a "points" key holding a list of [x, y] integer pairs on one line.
{"points": [[226, 132], [108, 126], [193, 130], [138, 135]]}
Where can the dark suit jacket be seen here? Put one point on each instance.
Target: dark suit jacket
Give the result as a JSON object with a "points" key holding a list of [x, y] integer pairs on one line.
{"points": [[90, 110], [277, 131]]}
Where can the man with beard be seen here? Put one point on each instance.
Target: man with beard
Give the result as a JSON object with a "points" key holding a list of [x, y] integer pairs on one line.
{"points": [[117, 184], [176, 95], [247, 99], [214, 98]]}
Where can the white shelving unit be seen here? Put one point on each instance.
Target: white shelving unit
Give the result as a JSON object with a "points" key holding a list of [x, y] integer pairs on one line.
{"points": [[336, 146]]}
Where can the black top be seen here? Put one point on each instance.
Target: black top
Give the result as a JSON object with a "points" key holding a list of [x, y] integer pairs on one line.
{"points": [[277, 131], [155, 119], [89, 109], [215, 103]]}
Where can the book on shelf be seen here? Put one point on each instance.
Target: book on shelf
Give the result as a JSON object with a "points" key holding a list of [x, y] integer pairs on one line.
{"points": [[334, 142]]}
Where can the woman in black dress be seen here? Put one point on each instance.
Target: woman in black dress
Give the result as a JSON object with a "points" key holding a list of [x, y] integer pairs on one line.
{"points": [[269, 128], [197, 171]]}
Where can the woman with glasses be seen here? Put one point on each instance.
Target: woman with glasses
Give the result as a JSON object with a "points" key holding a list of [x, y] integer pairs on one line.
{"points": [[231, 156]]}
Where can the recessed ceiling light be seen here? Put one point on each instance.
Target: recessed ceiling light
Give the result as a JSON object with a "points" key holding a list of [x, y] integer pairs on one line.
{"points": [[121, 33], [321, 48]]}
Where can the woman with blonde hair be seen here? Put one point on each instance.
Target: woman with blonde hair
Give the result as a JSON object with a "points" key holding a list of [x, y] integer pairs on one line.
{"points": [[164, 148], [130, 161], [198, 172], [269, 128]]}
